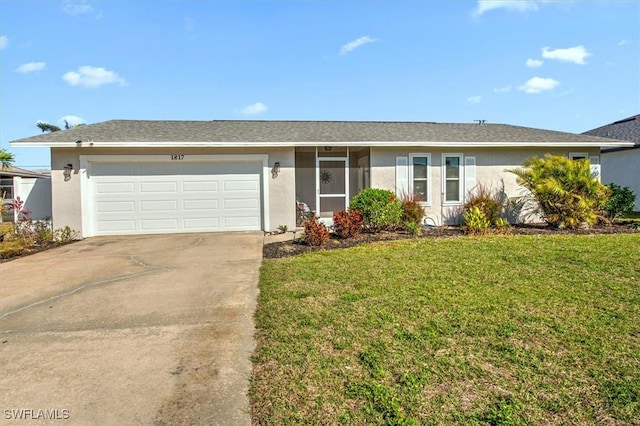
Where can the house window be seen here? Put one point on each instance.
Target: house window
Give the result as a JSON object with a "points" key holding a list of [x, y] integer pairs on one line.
{"points": [[6, 188], [578, 155], [420, 176], [451, 175], [594, 162]]}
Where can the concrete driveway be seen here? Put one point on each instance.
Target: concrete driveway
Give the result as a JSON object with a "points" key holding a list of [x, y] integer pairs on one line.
{"points": [[130, 330]]}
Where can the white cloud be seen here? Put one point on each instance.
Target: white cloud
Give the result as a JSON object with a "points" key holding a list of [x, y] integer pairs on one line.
{"points": [[4, 42], [513, 5], [504, 89], [77, 7], [80, 7], [534, 63], [623, 42], [538, 84], [474, 99], [31, 67], [92, 77], [576, 54], [72, 120], [257, 108], [352, 45]]}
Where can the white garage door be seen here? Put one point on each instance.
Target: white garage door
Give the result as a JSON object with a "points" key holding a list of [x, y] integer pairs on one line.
{"points": [[161, 197]]}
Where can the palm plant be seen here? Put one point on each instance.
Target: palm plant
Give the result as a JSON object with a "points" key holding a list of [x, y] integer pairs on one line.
{"points": [[46, 127], [568, 195], [6, 158]]}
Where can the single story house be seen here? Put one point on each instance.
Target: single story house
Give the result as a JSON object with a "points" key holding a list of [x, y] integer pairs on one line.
{"points": [[621, 165], [33, 188], [141, 177]]}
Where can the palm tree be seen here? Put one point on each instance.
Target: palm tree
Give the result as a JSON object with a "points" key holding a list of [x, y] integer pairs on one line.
{"points": [[568, 195], [6, 158], [46, 127]]}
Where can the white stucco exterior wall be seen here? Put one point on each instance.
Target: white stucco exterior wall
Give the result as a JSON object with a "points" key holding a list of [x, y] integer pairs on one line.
{"points": [[623, 168], [490, 172], [36, 194]]}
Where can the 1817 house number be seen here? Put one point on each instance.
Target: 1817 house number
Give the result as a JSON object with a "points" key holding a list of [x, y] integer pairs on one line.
{"points": [[177, 156]]}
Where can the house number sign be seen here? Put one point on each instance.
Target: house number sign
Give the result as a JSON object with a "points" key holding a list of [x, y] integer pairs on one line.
{"points": [[177, 156]]}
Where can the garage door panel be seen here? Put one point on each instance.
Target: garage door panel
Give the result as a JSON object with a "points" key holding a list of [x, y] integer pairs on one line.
{"points": [[240, 222], [115, 188], [236, 185], [116, 226], [175, 197], [159, 225], [200, 186], [240, 203], [163, 187], [115, 206], [159, 205], [190, 205], [202, 224]]}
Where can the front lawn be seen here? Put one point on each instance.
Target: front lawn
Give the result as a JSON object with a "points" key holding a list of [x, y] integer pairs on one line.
{"points": [[494, 330]]}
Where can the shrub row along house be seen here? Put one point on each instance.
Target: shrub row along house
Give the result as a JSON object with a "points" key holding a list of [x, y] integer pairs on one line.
{"points": [[138, 177]]}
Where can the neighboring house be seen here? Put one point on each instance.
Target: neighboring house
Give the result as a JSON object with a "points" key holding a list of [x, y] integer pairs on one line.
{"points": [[621, 165], [140, 177], [34, 188]]}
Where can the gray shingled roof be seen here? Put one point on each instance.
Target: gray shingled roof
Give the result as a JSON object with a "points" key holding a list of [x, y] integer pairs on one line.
{"points": [[627, 129], [16, 171], [303, 132]]}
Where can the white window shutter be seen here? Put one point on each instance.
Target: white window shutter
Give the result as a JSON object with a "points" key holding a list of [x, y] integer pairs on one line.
{"points": [[594, 161], [402, 176], [469, 174]]}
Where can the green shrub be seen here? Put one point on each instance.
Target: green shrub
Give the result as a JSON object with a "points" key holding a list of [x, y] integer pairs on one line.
{"points": [[487, 200], [412, 228], [475, 222], [64, 235], [347, 224], [502, 226], [621, 201], [567, 194], [412, 210], [315, 232], [42, 231], [380, 208]]}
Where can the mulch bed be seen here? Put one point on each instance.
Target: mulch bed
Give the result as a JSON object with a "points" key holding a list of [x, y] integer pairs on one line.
{"points": [[297, 246], [27, 251]]}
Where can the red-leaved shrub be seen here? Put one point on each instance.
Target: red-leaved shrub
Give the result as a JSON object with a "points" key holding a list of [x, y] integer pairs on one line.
{"points": [[347, 224], [315, 232]]}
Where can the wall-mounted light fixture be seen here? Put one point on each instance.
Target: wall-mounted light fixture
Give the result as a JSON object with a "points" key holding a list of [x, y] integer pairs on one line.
{"points": [[275, 170], [67, 171]]}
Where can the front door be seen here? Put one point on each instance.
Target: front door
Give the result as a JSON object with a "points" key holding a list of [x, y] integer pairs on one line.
{"points": [[332, 189]]}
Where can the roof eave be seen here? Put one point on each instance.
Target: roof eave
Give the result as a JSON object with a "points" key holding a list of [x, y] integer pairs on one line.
{"points": [[244, 144]]}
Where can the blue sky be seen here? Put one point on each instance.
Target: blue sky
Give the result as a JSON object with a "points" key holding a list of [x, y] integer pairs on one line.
{"points": [[560, 65]]}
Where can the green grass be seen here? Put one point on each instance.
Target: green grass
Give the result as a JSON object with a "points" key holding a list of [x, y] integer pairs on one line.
{"points": [[632, 215], [488, 330]]}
